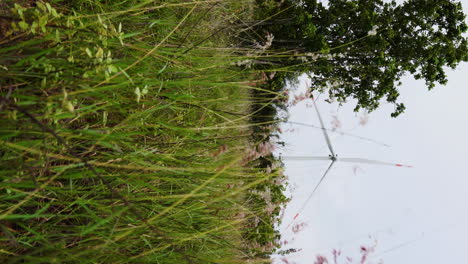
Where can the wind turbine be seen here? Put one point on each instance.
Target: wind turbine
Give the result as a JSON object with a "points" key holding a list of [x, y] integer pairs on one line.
{"points": [[333, 157]]}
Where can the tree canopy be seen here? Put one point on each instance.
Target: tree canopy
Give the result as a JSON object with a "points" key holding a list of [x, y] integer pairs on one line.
{"points": [[361, 48]]}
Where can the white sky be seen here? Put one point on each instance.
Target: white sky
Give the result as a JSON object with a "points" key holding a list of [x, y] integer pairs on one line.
{"points": [[416, 215]]}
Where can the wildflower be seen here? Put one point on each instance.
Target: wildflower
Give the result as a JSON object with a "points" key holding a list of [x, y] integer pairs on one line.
{"points": [[321, 260], [246, 63], [283, 97], [222, 149], [341, 55], [270, 208], [363, 120], [262, 150], [309, 54], [336, 254], [265, 148], [336, 123], [268, 42], [300, 97], [240, 215], [279, 181], [298, 227], [266, 195], [269, 246], [256, 221], [366, 251], [315, 56], [373, 31]]}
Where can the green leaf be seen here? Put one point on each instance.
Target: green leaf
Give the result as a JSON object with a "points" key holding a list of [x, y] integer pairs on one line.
{"points": [[49, 8], [23, 25], [100, 53], [111, 68], [104, 118], [34, 26], [138, 94], [126, 75], [163, 68], [89, 52], [41, 6], [145, 90], [57, 36], [130, 35]]}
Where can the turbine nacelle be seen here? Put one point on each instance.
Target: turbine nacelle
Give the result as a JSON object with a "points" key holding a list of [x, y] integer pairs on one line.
{"points": [[333, 157]]}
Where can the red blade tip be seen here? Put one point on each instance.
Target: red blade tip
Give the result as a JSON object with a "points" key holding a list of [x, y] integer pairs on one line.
{"points": [[401, 165]]}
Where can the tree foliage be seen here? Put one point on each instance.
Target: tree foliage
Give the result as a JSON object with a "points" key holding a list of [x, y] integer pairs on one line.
{"points": [[361, 48]]}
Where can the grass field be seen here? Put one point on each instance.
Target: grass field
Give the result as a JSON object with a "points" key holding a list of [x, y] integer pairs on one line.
{"points": [[130, 134]]}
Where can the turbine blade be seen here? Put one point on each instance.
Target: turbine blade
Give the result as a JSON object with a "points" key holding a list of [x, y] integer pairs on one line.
{"points": [[311, 194], [341, 132], [377, 162], [304, 158], [323, 129]]}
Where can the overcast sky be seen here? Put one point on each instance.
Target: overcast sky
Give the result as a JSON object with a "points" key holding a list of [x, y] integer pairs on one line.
{"points": [[416, 215]]}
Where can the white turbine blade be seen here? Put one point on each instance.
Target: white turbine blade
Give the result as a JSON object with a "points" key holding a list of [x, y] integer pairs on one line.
{"points": [[377, 162], [311, 194], [304, 158], [341, 132], [323, 129]]}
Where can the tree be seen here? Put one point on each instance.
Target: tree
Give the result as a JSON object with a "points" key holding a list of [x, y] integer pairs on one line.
{"points": [[361, 48]]}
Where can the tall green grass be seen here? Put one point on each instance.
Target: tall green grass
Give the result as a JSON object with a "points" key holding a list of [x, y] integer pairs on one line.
{"points": [[126, 135]]}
